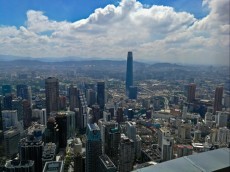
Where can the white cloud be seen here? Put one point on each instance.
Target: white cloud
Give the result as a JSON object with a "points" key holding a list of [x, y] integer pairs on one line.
{"points": [[156, 33]]}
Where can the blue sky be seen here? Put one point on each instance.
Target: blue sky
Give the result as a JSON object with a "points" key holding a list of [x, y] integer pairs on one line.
{"points": [[13, 12], [178, 31]]}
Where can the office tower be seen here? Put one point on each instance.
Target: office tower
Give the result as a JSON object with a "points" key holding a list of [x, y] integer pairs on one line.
{"points": [[217, 106], [113, 144], [95, 113], [39, 115], [167, 149], [6, 90], [191, 91], [7, 102], [106, 165], [49, 153], [19, 166], [101, 94], [74, 150], [105, 129], [10, 119], [130, 114], [184, 132], [73, 97], [79, 163], [93, 148], [52, 132], [54, 166], [161, 133], [11, 139], [227, 100], [52, 94], [17, 105], [30, 148], [71, 126], [129, 72], [126, 154], [132, 134], [132, 92], [223, 136], [24, 92], [131, 130], [62, 120], [222, 119], [90, 97], [120, 115], [27, 113], [82, 115], [1, 121], [66, 125], [165, 142], [62, 103]]}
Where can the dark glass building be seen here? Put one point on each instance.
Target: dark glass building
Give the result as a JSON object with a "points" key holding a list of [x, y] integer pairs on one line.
{"points": [[23, 91], [101, 94], [93, 148], [129, 72], [73, 97], [6, 90], [7, 102], [132, 92], [31, 148]]}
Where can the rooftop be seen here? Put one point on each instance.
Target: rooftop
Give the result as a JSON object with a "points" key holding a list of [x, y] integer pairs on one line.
{"points": [[53, 166], [106, 161]]}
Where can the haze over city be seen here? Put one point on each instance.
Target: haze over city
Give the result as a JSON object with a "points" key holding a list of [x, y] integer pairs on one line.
{"points": [[114, 86], [176, 31]]}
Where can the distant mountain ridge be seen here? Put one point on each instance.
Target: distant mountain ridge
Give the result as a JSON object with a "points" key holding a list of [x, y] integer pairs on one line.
{"points": [[17, 60]]}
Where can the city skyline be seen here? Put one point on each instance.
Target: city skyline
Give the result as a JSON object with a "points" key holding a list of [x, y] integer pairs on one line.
{"points": [[163, 31]]}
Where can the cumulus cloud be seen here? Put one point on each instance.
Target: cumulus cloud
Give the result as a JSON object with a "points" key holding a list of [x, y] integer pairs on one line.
{"points": [[157, 33]]}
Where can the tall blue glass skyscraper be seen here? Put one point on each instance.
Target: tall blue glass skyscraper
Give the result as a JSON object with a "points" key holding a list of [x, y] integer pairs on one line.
{"points": [[129, 72]]}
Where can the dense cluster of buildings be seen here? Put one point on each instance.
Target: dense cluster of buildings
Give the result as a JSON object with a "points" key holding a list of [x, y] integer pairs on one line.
{"points": [[102, 127]]}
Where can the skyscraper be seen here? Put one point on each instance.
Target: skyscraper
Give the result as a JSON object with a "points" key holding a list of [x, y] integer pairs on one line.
{"points": [[129, 72], [191, 91], [93, 147], [24, 92], [101, 94], [52, 94], [126, 154], [27, 113], [218, 99], [30, 148], [73, 97], [6, 90], [1, 121], [11, 139]]}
